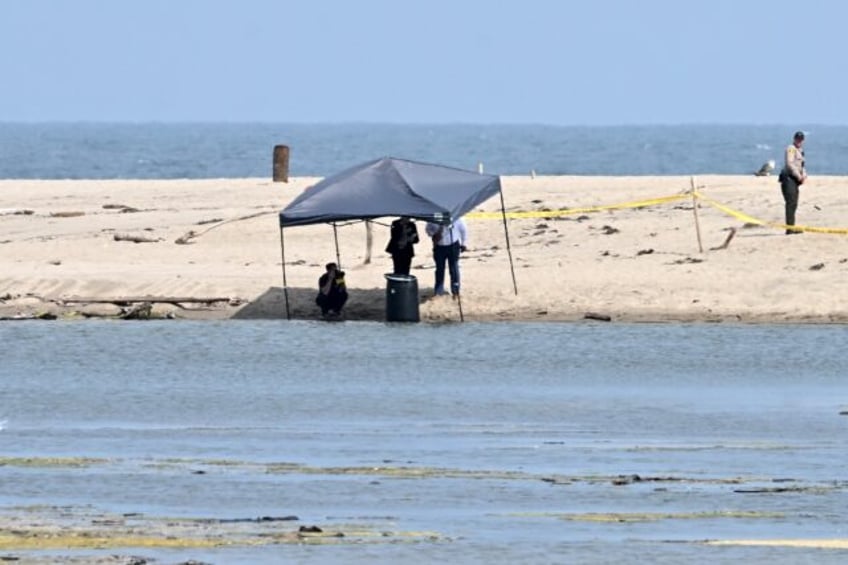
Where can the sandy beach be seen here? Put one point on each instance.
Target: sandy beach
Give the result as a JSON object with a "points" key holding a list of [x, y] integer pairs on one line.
{"points": [[210, 249]]}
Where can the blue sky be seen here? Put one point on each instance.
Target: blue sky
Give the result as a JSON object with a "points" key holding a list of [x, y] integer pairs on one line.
{"points": [[559, 62]]}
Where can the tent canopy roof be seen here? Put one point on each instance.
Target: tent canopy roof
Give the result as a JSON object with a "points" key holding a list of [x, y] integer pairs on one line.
{"points": [[391, 187]]}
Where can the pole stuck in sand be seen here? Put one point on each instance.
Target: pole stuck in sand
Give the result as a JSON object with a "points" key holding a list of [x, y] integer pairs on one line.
{"points": [[695, 210], [281, 163]]}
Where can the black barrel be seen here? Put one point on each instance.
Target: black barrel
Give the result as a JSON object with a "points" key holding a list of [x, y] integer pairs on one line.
{"points": [[401, 298]]}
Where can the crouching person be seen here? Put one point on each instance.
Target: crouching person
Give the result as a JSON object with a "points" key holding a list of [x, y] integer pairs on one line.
{"points": [[332, 292]]}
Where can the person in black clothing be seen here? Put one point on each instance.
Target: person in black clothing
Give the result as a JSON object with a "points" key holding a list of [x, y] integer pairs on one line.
{"points": [[332, 292], [404, 236]]}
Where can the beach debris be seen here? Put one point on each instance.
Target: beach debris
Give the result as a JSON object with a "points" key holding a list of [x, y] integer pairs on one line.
{"points": [[688, 260], [191, 234], [121, 208], [817, 267], [46, 316], [816, 206], [726, 241], [16, 212], [290, 518], [536, 201], [626, 480], [634, 478], [644, 252], [133, 307], [597, 316], [773, 490], [136, 238], [212, 221], [609, 230], [66, 214], [54, 262], [310, 529], [186, 238], [557, 480], [140, 311]]}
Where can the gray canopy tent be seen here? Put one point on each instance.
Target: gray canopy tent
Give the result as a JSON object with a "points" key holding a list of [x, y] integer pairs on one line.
{"points": [[391, 187]]}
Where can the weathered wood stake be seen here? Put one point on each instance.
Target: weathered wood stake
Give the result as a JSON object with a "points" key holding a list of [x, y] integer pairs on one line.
{"points": [[695, 209], [281, 163]]}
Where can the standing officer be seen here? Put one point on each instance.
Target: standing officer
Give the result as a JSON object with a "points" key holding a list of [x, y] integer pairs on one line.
{"points": [[448, 242], [792, 177]]}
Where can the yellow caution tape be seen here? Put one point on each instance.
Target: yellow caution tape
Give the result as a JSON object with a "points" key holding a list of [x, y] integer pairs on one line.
{"points": [[572, 211], [752, 220], [653, 202], [730, 211]]}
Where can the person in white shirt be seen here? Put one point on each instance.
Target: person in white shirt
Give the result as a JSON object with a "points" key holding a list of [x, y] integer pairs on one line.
{"points": [[448, 242]]}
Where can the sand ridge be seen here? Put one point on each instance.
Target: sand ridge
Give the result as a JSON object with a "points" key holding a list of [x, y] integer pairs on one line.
{"points": [[75, 239]]}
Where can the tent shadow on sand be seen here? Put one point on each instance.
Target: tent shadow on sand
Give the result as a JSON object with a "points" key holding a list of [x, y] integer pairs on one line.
{"points": [[367, 304]]}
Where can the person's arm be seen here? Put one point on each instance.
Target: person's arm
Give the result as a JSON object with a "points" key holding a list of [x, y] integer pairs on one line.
{"points": [[463, 234], [326, 283], [414, 232]]}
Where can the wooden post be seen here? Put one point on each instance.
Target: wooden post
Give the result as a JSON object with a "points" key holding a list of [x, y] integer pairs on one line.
{"points": [[281, 163], [695, 210]]}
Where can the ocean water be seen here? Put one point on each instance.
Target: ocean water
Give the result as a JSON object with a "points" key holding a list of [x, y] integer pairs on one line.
{"points": [[223, 150], [504, 443]]}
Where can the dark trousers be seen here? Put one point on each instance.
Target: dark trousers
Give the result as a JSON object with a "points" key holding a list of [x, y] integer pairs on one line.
{"points": [[331, 302], [447, 254], [402, 263], [789, 188]]}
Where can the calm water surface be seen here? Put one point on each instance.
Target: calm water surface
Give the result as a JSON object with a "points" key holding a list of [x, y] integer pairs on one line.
{"points": [[60, 150], [517, 432]]}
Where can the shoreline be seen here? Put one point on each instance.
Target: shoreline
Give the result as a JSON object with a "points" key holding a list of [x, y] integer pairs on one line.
{"points": [[114, 239]]}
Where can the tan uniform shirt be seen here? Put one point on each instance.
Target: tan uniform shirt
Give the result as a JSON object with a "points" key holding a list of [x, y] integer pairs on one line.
{"points": [[794, 163]]}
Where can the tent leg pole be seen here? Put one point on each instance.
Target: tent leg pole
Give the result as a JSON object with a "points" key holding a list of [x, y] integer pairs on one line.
{"points": [[508, 248], [336, 238], [458, 296], [285, 284]]}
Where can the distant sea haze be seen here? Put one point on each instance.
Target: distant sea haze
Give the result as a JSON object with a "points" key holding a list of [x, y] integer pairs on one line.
{"points": [[238, 150]]}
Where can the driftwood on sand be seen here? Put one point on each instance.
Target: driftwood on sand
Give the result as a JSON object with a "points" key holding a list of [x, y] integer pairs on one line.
{"points": [[191, 234], [73, 214], [16, 212], [136, 238], [175, 300], [727, 241]]}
